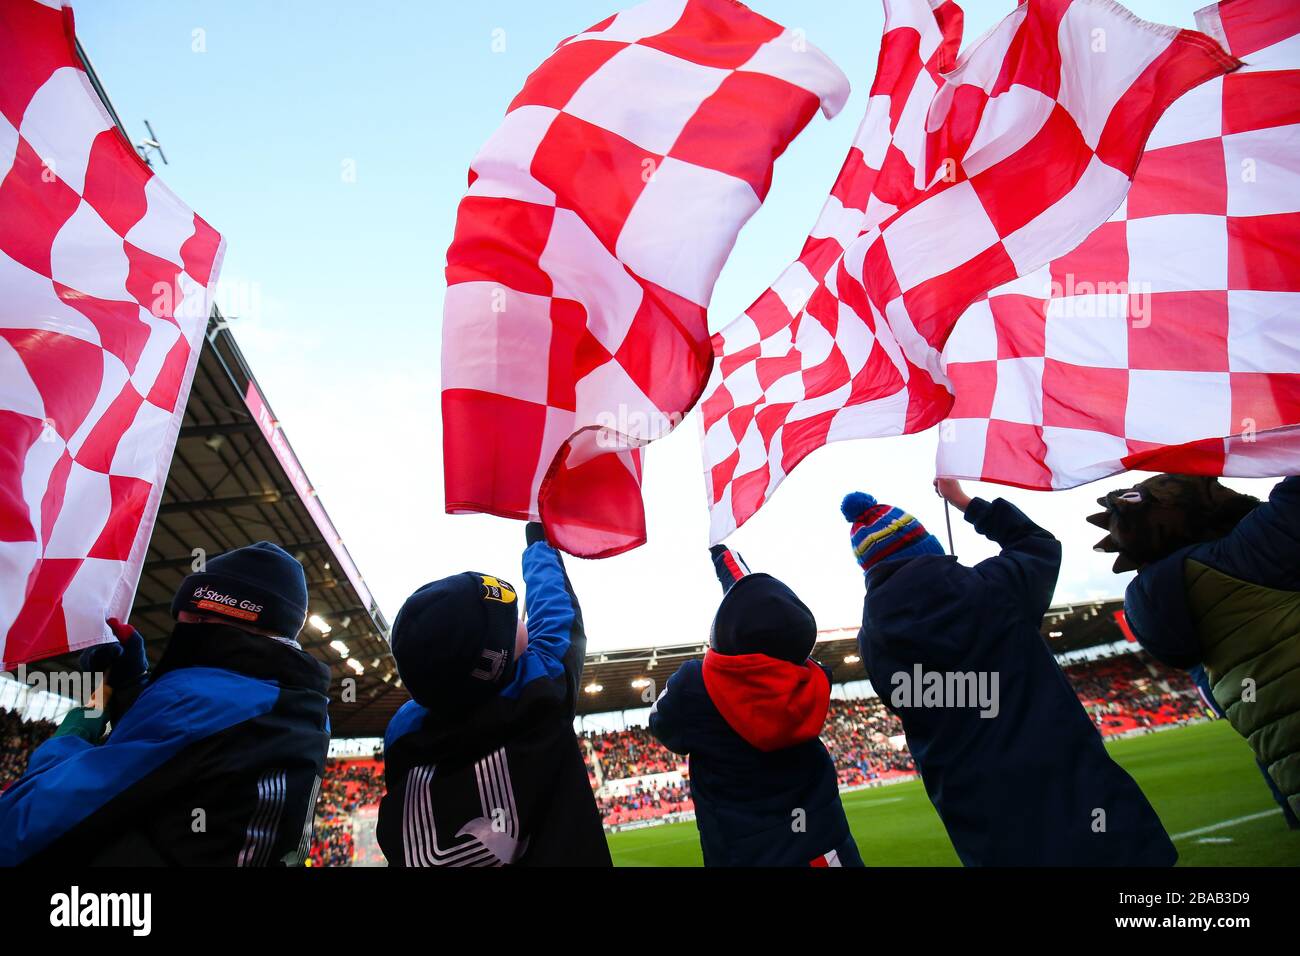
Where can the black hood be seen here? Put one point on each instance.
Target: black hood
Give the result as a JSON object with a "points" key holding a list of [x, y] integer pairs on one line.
{"points": [[254, 655], [454, 640], [760, 615]]}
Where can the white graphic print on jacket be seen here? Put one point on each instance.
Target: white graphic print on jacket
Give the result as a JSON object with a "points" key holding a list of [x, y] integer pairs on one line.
{"points": [[489, 840], [264, 826]]}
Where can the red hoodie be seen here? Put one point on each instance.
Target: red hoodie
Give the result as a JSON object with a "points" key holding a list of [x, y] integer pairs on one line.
{"points": [[771, 703]]}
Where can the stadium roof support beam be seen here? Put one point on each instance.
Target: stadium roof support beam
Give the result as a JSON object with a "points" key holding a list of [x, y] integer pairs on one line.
{"points": [[160, 564], [219, 428], [151, 608], [348, 718], [236, 501]]}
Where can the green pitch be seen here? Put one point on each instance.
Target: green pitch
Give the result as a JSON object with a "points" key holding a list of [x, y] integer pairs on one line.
{"points": [[1201, 779]]}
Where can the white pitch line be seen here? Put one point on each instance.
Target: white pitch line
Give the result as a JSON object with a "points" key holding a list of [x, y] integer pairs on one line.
{"points": [[1226, 823], [872, 803]]}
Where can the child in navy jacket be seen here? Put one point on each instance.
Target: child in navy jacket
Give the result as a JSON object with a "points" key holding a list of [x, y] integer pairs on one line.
{"points": [[748, 716], [1019, 776], [483, 767]]}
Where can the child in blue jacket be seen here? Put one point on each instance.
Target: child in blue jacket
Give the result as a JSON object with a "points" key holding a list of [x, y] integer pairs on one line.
{"points": [[748, 716], [483, 767], [233, 721], [1010, 759]]}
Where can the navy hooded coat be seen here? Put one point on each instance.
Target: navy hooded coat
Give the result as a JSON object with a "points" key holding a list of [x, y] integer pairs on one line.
{"points": [[763, 783], [1031, 784]]}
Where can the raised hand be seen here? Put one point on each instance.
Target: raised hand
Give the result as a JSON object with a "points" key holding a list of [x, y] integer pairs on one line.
{"points": [[949, 489]]}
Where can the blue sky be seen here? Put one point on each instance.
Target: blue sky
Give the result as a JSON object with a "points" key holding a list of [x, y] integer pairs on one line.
{"points": [[329, 142]]}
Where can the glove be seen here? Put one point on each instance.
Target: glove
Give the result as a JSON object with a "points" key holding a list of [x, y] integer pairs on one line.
{"points": [[124, 665], [728, 565], [79, 723], [534, 532], [123, 632]]}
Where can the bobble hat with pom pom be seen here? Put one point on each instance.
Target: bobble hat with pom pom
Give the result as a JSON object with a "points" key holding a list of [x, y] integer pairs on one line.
{"points": [[885, 533]]}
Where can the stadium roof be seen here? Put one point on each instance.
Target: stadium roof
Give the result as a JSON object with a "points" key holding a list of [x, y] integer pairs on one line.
{"points": [[235, 480], [630, 679]]}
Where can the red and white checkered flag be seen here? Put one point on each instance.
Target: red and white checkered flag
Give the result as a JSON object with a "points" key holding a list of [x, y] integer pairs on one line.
{"points": [[1028, 145], [746, 443], [1168, 340], [597, 219], [104, 296]]}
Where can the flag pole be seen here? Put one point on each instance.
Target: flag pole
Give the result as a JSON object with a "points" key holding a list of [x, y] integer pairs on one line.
{"points": [[947, 517]]}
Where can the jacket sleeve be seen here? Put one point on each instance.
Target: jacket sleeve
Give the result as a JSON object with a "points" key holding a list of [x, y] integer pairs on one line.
{"points": [[1262, 548], [728, 565], [1030, 558], [557, 641], [667, 716], [1155, 604]]}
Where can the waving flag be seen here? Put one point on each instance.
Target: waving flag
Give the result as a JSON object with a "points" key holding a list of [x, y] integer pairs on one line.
{"points": [[104, 278], [750, 445], [597, 219], [1169, 339], [1029, 144]]}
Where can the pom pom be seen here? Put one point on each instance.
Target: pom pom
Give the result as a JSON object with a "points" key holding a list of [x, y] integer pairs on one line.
{"points": [[855, 504]]}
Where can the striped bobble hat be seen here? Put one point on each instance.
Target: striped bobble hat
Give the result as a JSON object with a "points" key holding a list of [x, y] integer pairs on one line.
{"points": [[885, 533]]}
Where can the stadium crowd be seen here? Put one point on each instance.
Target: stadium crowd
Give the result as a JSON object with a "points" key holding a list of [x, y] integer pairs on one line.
{"points": [[645, 803], [630, 753], [1123, 694], [18, 738], [857, 734], [332, 842], [349, 785], [346, 787]]}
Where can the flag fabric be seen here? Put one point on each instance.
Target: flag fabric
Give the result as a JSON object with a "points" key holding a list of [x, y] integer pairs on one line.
{"points": [[1168, 340], [104, 296], [1029, 144], [597, 219], [747, 443]]}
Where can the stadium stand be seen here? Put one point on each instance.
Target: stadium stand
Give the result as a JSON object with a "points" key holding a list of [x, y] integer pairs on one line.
{"points": [[646, 803], [864, 740], [630, 753], [1133, 691], [347, 787]]}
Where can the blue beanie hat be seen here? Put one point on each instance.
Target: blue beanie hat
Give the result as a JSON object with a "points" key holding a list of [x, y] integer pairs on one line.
{"points": [[261, 585], [454, 640], [884, 533]]}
